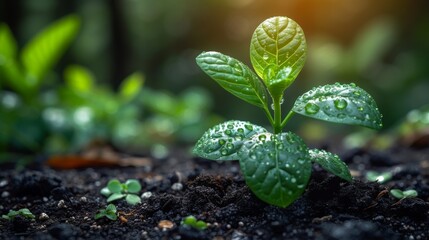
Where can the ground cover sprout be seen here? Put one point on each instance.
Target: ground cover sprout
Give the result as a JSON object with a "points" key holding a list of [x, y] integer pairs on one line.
{"points": [[23, 212], [109, 212], [116, 190]]}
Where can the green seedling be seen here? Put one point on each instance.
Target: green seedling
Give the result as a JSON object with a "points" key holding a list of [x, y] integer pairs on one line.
{"points": [[191, 221], [116, 190], [399, 194], [277, 166], [24, 212], [381, 177], [109, 212]]}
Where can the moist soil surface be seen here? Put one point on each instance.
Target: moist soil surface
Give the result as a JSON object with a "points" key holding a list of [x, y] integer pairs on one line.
{"points": [[65, 201]]}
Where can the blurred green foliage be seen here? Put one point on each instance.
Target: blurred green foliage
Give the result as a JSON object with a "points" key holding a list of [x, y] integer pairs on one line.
{"points": [[47, 117]]}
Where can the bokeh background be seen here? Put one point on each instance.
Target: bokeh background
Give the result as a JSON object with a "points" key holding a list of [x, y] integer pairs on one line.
{"points": [[382, 46]]}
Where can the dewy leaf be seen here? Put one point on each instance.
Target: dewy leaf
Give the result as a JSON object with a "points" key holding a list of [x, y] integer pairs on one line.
{"points": [[44, 50], [223, 141], [340, 103], [278, 51], [234, 76], [276, 167], [331, 163]]}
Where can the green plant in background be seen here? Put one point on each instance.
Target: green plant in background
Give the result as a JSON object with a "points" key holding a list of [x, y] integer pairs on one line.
{"points": [[116, 190], [78, 117], [24, 212], [277, 166], [191, 221], [381, 177], [23, 74], [401, 195], [109, 212]]}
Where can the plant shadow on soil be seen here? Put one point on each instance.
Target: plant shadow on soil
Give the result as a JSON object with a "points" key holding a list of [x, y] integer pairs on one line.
{"points": [[215, 192]]}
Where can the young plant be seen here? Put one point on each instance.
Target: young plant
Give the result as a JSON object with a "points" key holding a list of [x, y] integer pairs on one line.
{"points": [[401, 195], [191, 221], [24, 212], [277, 166], [109, 212], [381, 177], [116, 190]]}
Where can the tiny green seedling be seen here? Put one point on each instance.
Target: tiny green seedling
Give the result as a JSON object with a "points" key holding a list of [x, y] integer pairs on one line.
{"points": [[24, 212], [116, 190], [109, 212], [191, 221], [381, 177], [399, 194], [277, 166]]}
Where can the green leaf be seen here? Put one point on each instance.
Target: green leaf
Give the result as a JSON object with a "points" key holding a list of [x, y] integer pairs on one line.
{"points": [[99, 215], [131, 86], [340, 103], [79, 79], [105, 191], [331, 163], [114, 186], [200, 225], [133, 185], [45, 49], [278, 51], [9, 67], [132, 199], [111, 208], [234, 76], [276, 167], [111, 216], [410, 193], [8, 46], [397, 193], [190, 220], [115, 196], [223, 141]]}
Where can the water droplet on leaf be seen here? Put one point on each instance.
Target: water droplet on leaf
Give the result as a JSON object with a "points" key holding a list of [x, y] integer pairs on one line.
{"points": [[311, 108], [340, 104]]}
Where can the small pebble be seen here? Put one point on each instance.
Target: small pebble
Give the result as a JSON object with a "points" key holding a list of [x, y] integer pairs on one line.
{"points": [[165, 224], [146, 195], [240, 224], [83, 199], [3, 183], [61, 204], [43, 216], [5, 194], [228, 226], [45, 199], [177, 186]]}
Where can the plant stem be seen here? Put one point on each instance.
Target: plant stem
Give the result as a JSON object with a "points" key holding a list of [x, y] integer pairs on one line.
{"points": [[277, 116], [289, 115]]}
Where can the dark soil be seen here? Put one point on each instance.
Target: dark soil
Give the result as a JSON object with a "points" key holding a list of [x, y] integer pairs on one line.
{"points": [[216, 193]]}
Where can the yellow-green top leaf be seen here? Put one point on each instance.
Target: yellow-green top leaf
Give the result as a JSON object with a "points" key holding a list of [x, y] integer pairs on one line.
{"points": [[278, 51]]}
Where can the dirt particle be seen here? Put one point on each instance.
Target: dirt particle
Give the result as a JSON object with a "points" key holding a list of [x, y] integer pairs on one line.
{"points": [[165, 224]]}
